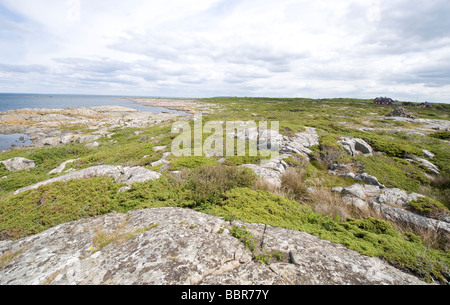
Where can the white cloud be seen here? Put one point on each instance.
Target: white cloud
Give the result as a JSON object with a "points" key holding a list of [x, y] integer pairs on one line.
{"points": [[323, 48]]}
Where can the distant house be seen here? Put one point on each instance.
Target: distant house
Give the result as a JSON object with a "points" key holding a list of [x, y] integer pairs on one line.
{"points": [[408, 104], [426, 105], [383, 101]]}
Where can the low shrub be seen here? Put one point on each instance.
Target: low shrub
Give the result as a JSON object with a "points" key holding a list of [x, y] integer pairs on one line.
{"points": [[208, 184], [395, 172], [297, 161], [191, 162], [442, 135], [429, 208], [239, 160], [36, 210], [368, 236]]}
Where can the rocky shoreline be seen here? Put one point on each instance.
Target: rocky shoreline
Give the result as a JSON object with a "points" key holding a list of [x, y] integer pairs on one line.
{"points": [[187, 105], [225, 259], [81, 125]]}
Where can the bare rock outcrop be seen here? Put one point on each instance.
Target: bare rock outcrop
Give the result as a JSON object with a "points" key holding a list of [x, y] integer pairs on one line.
{"points": [[344, 170], [43, 126], [61, 167], [427, 164], [299, 143], [355, 146], [17, 164], [166, 246], [391, 203], [127, 175]]}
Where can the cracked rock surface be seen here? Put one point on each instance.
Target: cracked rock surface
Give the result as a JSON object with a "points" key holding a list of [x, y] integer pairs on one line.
{"points": [[167, 246]]}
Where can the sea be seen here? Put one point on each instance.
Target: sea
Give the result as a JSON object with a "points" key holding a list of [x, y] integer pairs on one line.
{"points": [[10, 101], [14, 101]]}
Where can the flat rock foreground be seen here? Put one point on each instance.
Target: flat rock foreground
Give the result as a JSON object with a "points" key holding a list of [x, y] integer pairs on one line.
{"points": [[167, 246]]}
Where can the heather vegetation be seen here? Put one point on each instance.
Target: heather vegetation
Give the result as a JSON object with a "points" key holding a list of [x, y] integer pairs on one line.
{"points": [[221, 187]]}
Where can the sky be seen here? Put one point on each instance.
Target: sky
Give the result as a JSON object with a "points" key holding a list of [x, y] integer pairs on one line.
{"points": [[207, 48]]}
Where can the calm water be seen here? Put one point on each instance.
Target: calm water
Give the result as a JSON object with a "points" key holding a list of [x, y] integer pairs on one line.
{"points": [[13, 140], [19, 101]]}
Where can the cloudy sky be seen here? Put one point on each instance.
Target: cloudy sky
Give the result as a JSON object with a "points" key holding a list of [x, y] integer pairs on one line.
{"points": [[204, 48]]}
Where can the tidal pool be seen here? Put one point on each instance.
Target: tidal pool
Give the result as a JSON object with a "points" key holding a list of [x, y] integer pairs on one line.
{"points": [[8, 141]]}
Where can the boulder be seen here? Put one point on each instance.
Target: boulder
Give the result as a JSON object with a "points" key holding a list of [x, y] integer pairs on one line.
{"points": [[369, 179], [348, 175], [51, 141], [428, 154], [174, 246], [362, 146], [68, 138], [337, 189], [355, 146], [17, 164], [270, 175], [356, 190], [361, 191], [357, 203], [268, 139]]}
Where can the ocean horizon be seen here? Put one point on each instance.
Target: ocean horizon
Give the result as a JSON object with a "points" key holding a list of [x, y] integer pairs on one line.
{"points": [[15, 101]]}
